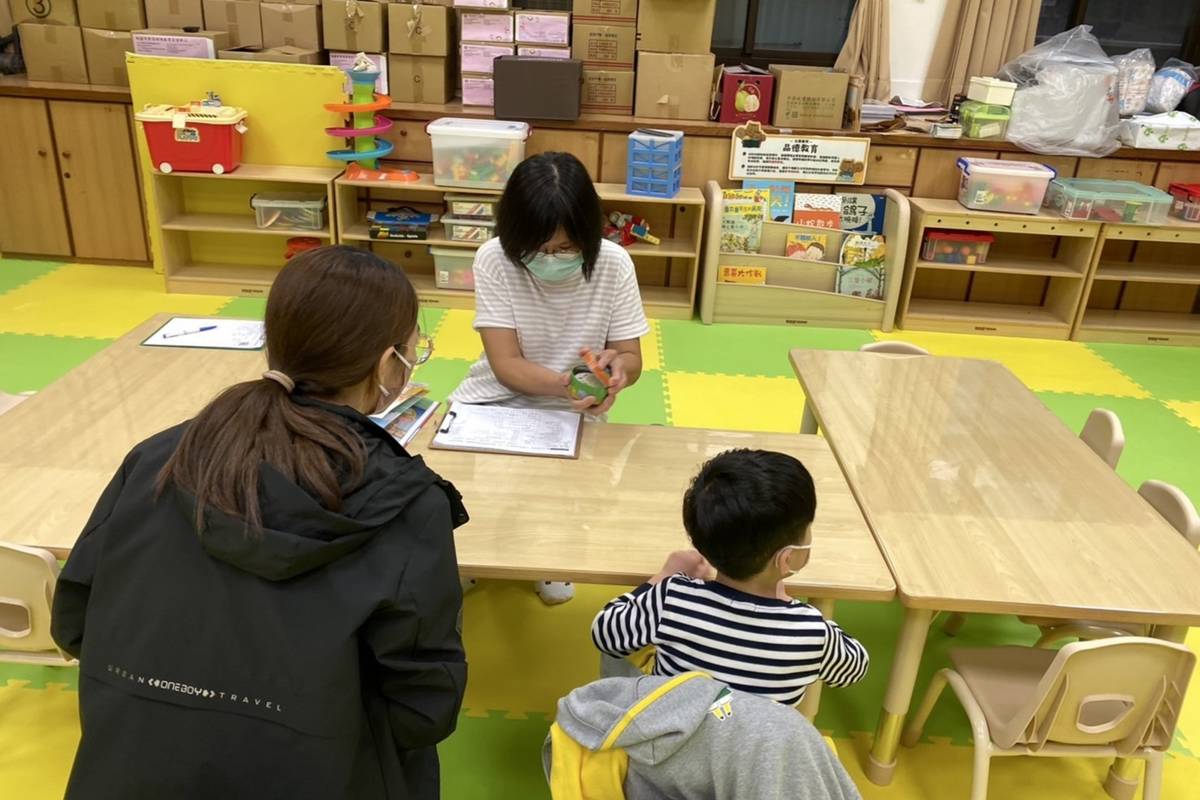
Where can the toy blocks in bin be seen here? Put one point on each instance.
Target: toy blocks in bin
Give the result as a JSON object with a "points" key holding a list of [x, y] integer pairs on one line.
{"points": [[655, 163]]}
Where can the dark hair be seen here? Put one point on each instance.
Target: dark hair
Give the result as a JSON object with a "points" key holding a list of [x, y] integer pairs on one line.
{"points": [[744, 506], [545, 192], [331, 314]]}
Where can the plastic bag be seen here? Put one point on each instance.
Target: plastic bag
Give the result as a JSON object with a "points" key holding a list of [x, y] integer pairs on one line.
{"points": [[1066, 99], [1134, 72], [1169, 85]]}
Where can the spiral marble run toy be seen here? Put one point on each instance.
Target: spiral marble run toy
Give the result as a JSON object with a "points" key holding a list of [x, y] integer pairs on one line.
{"points": [[365, 125]]}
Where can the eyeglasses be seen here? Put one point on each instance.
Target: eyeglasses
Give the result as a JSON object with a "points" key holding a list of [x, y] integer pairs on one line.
{"points": [[422, 351]]}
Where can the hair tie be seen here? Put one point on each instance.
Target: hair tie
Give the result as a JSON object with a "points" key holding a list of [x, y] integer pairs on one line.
{"points": [[282, 379]]}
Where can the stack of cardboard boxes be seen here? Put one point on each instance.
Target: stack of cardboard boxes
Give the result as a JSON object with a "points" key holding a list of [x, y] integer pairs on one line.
{"points": [[604, 38], [675, 67], [51, 40], [420, 60]]}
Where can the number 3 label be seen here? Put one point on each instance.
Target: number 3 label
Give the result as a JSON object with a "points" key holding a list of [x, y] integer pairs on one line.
{"points": [[39, 8]]}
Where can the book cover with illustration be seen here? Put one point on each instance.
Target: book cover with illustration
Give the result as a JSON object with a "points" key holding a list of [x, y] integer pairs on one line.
{"points": [[782, 194], [742, 220], [807, 246], [817, 210], [862, 271], [863, 213]]}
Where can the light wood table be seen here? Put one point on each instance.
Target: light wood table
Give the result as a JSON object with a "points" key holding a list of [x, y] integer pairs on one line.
{"points": [[983, 501]]}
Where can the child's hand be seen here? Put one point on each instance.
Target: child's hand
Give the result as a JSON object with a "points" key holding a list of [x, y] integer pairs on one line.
{"points": [[689, 562]]}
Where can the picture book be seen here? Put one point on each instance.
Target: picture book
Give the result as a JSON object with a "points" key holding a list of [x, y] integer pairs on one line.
{"points": [[760, 196], [863, 213], [817, 210], [742, 220], [783, 196], [807, 246], [862, 270], [405, 425], [753, 275]]}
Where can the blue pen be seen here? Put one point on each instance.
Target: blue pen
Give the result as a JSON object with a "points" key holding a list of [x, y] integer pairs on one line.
{"points": [[189, 333]]}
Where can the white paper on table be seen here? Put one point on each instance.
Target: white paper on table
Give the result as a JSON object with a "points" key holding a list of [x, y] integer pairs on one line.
{"points": [[224, 334], [523, 431]]}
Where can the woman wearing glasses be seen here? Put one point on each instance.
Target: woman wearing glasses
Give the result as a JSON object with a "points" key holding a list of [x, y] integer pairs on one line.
{"points": [[546, 288], [264, 602]]}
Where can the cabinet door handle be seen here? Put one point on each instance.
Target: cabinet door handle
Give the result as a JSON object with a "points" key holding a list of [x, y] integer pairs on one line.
{"points": [[66, 153], [42, 152]]}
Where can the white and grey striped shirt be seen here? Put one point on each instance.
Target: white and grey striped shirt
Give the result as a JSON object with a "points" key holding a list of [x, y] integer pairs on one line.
{"points": [[553, 321], [774, 648]]}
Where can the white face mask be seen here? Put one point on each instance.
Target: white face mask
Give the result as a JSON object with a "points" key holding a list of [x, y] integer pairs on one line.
{"points": [[784, 551]]}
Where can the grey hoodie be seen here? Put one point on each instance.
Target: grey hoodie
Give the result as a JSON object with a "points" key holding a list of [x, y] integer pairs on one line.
{"points": [[704, 740]]}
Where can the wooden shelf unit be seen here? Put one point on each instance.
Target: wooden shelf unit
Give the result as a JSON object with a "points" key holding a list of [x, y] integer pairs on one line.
{"points": [[211, 243], [667, 273], [1032, 283], [797, 292], [1144, 287]]}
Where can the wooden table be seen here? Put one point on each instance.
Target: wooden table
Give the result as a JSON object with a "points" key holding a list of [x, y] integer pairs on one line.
{"points": [[983, 501]]}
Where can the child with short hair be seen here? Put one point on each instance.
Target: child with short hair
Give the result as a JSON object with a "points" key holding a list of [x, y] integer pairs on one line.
{"points": [[749, 513]]}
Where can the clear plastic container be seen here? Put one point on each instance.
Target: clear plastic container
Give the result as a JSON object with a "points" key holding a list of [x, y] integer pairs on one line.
{"points": [[1186, 205], [1017, 187], [290, 211], [465, 229], [1109, 201], [476, 153], [956, 247], [984, 120], [472, 205], [453, 268]]}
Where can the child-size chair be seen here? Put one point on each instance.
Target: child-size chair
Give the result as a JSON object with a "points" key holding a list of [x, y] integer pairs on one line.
{"points": [[893, 347], [1104, 435], [1114, 697], [27, 578]]}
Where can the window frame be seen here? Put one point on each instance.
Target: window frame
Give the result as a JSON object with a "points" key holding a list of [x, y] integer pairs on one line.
{"points": [[761, 57], [1189, 49]]}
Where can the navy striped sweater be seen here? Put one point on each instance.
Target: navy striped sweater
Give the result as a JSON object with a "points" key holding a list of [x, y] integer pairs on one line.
{"points": [[770, 647]]}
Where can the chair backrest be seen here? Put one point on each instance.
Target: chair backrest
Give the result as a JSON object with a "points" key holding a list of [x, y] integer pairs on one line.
{"points": [[1174, 506], [27, 577], [1103, 433], [894, 347], [1125, 692]]}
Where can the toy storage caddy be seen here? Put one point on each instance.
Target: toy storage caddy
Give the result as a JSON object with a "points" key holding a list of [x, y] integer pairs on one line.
{"points": [[476, 153], [654, 166], [194, 137]]}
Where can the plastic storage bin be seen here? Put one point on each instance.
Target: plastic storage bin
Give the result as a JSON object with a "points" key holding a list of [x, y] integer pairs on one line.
{"points": [[476, 153], [471, 205], [465, 229], [988, 184], [984, 120], [452, 268], [992, 91], [654, 166], [1186, 205], [1109, 201], [289, 211], [193, 138], [956, 247]]}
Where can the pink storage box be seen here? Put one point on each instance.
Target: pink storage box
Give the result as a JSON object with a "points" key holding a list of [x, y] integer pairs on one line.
{"points": [[481, 27], [541, 28], [479, 57], [478, 90], [544, 52], [481, 3]]}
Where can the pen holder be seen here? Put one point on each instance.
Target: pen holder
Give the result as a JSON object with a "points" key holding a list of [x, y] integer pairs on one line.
{"points": [[584, 383]]}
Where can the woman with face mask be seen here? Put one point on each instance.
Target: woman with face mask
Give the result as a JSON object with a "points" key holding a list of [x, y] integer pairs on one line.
{"points": [[548, 287], [265, 601]]}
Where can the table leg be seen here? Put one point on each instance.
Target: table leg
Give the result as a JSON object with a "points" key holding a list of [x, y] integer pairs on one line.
{"points": [[812, 696], [881, 762], [1123, 777], [808, 422]]}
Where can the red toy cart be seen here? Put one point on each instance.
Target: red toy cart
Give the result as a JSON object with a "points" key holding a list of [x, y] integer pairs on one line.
{"points": [[194, 137]]}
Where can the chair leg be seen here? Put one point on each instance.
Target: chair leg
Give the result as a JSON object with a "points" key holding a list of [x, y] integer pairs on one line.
{"points": [[1152, 782], [983, 763], [916, 724], [954, 623]]}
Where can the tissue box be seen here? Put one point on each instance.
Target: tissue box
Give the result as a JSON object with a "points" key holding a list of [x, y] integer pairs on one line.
{"points": [[1175, 130], [478, 58], [543, 27], [478, 26]]}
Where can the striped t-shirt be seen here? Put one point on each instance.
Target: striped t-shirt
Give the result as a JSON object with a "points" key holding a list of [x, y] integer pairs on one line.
{"points": [[774, 648], [553, 321]]}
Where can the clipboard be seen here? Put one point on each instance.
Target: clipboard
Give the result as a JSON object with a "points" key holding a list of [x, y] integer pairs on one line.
{"points": [[509, 431]]}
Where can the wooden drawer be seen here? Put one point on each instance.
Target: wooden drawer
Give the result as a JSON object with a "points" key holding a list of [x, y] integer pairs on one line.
{"points": [[891, 166], [410, 140]]}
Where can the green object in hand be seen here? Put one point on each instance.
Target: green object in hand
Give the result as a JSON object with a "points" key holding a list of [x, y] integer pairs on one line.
{"points": [[584, 384]]}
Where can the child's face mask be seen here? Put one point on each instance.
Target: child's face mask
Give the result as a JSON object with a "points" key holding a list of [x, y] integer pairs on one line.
{"points": [[784, 558]]}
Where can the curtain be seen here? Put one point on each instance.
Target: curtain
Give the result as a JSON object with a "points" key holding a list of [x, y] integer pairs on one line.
{"points": [[978, 37], [866, 51]]}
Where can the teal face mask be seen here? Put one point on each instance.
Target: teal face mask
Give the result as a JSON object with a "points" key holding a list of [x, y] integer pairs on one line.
{"points": [[556, 267]]}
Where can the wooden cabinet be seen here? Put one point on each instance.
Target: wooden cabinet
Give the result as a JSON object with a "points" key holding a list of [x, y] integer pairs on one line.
{"points": [[99, 180], [33, 219]]}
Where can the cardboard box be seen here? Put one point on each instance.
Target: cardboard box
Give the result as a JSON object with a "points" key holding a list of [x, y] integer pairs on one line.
{"points": [[477, 57], [559, 84], [674, 85], [53, 53], [481, 3], [364, 31], [676, 26], [607, 91], [606, 9], [291, 24], [112, 15], [543, 27], [478, 90], [601, 46], [539, 51], [6, 21], [106, 55], [178, 43], [809, 97], [746, 93], [239, 18], [345, 61], [482, 26], [174, 14], [42, 12], [420, 79], [284, 54], [429, 34]]}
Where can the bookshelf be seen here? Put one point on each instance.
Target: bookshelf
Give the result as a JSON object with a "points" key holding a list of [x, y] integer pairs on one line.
{"points": [[1031, 285], [1144, 287], [211, 243], [799, 293], [667, 272]]}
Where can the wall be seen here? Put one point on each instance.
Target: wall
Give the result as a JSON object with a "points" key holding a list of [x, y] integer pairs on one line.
{"points": [[915, 25]]}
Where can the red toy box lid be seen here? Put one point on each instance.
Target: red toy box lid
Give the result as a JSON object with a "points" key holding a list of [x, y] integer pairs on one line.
{"points": [[1185, 191], [960, 236]]}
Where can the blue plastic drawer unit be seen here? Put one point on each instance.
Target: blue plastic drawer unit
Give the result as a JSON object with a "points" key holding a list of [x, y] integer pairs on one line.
{"points": [[655, 164]]}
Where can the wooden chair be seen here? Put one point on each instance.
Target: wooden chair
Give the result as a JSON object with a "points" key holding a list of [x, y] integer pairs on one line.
{"points": [[893, 347], [27, 578], [1116, 697], [1104, 435]]}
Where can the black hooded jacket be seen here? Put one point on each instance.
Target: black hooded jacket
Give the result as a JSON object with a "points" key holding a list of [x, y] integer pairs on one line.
{"points": [[322, 659]]}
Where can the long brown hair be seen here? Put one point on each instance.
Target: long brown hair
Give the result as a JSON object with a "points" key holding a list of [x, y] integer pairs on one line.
{"points": [[331, 314]]}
